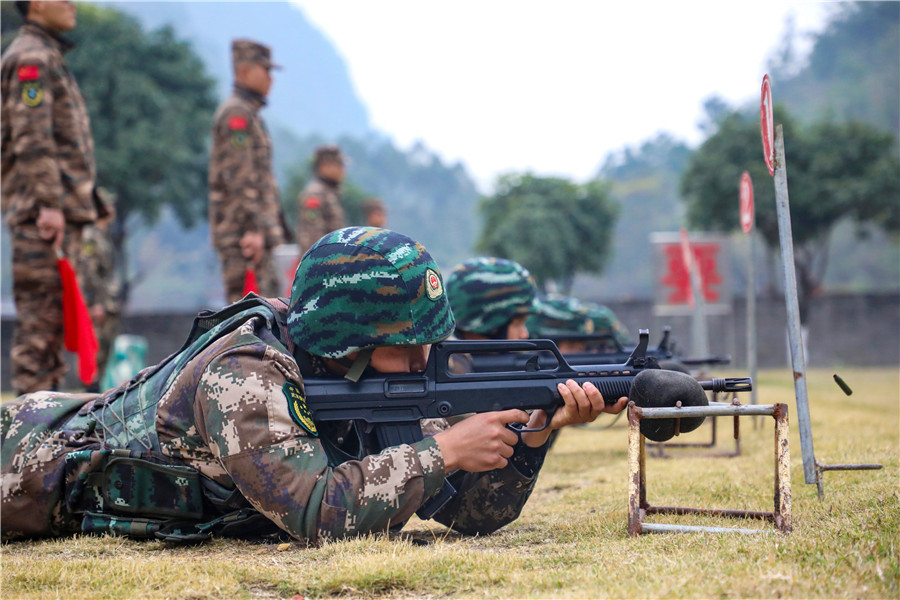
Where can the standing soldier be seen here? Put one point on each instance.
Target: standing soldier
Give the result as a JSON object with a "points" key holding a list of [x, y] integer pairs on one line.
{"points": [[100, 283], [319, 208], [243, 195], [48, 175]]}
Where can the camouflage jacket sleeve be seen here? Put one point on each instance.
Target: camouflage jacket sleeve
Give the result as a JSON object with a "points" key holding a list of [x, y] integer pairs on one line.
{"points": [[245, 207], [485, 502], [29, 93], [241, 411]]}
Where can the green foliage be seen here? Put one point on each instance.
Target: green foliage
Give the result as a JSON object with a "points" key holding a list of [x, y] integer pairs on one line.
{"points": [[853, 70], [151, 107], [553, 227], [835, 171]]}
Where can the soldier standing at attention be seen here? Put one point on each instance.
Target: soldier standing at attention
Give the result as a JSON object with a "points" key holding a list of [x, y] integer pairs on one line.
{"points": [[319, 208], [243, 196], [48, 176]]}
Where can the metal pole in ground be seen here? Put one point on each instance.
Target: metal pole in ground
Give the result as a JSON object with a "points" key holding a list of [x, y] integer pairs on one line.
{"points": [[792, 303]]}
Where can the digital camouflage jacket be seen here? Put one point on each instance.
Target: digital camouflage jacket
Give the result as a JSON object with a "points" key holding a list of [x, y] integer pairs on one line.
{"points": [[205, 443], [48, 151]]}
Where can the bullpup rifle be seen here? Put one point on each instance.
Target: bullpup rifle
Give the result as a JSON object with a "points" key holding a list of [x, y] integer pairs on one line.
{"points": [[391, 405]]}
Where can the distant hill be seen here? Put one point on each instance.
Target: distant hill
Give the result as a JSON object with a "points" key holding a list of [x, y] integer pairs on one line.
{"points": [[311, 95]]}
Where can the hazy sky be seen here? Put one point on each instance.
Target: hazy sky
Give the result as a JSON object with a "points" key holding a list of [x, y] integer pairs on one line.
{"points": [[551, 86]]}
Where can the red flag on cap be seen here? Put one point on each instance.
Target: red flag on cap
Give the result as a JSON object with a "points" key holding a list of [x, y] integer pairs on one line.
{"points": [[250, 283], [78, 331]]}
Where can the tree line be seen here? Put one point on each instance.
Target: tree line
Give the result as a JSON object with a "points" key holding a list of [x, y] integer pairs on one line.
{"points": [[151, 103]]}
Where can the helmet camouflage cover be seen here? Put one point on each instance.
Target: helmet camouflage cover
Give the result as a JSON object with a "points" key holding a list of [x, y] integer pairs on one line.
{"points": [[606, 322], [560, 316], [364, 287], [486, 293]]}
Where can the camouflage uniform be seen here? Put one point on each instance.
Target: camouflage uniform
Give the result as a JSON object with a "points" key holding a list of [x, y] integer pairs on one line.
{"points": [[47, 162], [207, 442], [319, 209], [243, 194], [101, 287]]}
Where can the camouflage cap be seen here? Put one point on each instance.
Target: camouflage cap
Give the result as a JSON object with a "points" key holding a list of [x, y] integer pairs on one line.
{"points": [[486, 293], [250, 51], [328, 152], [364, 287], [560, 316]]}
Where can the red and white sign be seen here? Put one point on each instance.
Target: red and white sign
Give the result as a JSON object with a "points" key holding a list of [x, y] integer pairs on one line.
{"points": [[708, 254], [746, 203], [767, 124]]}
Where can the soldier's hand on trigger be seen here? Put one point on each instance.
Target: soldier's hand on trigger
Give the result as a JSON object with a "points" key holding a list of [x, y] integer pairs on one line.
{"points": [[252, 245], [51, 226], [481, 442]]}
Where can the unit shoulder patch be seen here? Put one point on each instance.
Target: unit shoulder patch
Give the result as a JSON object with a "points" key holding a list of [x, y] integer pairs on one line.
{"points": [[297, 408]]}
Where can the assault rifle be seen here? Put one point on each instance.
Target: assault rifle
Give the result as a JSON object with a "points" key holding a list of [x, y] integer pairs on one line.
{"points": [[391, 405], [606, 350]]}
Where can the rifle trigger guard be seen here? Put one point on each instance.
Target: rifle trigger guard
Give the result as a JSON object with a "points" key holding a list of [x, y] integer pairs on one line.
{"points": [[520, 430]]}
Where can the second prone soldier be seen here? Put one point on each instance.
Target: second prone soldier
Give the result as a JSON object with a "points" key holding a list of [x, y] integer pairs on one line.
{"points": [[243, 195]]}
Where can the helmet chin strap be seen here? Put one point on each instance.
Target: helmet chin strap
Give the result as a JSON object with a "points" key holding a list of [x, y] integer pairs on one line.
{"points": [[359, 364]]}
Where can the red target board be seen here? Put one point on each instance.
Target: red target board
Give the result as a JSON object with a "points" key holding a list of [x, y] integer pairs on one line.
{"points": [[767, 124], [746, 198]]}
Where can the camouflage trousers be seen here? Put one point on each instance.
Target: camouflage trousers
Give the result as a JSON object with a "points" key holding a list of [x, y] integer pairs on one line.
{"points": [[34, 475], [234, 270], [37, 346]]}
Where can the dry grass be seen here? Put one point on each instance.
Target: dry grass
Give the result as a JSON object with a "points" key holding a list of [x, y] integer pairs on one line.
{"points": [[571, 541]]}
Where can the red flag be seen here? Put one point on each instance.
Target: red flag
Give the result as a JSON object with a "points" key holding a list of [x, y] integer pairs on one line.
{"points": [[250, 284], [78, 330]]}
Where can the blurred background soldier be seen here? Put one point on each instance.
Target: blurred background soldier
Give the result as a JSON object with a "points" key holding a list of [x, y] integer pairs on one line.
{"points": [[48, 179], [375, 212], [319, 209], [100, 283], [243, 196]]}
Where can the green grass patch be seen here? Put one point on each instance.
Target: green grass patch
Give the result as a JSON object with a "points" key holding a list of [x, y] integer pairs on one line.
{"points": [[571, 540]]}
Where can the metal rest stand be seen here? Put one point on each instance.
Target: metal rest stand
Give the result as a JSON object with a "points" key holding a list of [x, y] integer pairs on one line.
{"points": [[638, 508], [658, 450]]}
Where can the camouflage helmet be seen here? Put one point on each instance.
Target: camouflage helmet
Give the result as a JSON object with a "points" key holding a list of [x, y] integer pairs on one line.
{"points": [[487, 293], [363, 287], [606, 322], [559, 317]]}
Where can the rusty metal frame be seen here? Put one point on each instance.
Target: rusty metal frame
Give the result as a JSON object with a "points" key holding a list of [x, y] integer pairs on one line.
{"points": [[639, 508]]}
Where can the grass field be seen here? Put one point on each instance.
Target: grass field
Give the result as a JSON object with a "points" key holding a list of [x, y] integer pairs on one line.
{"points": [[571, 540]]}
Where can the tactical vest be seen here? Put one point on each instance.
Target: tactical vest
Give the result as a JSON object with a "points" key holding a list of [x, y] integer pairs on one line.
{"points": [[127, 486]]}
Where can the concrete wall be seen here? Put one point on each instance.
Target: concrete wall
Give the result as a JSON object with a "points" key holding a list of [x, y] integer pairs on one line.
{"points": [[844, 330]]}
